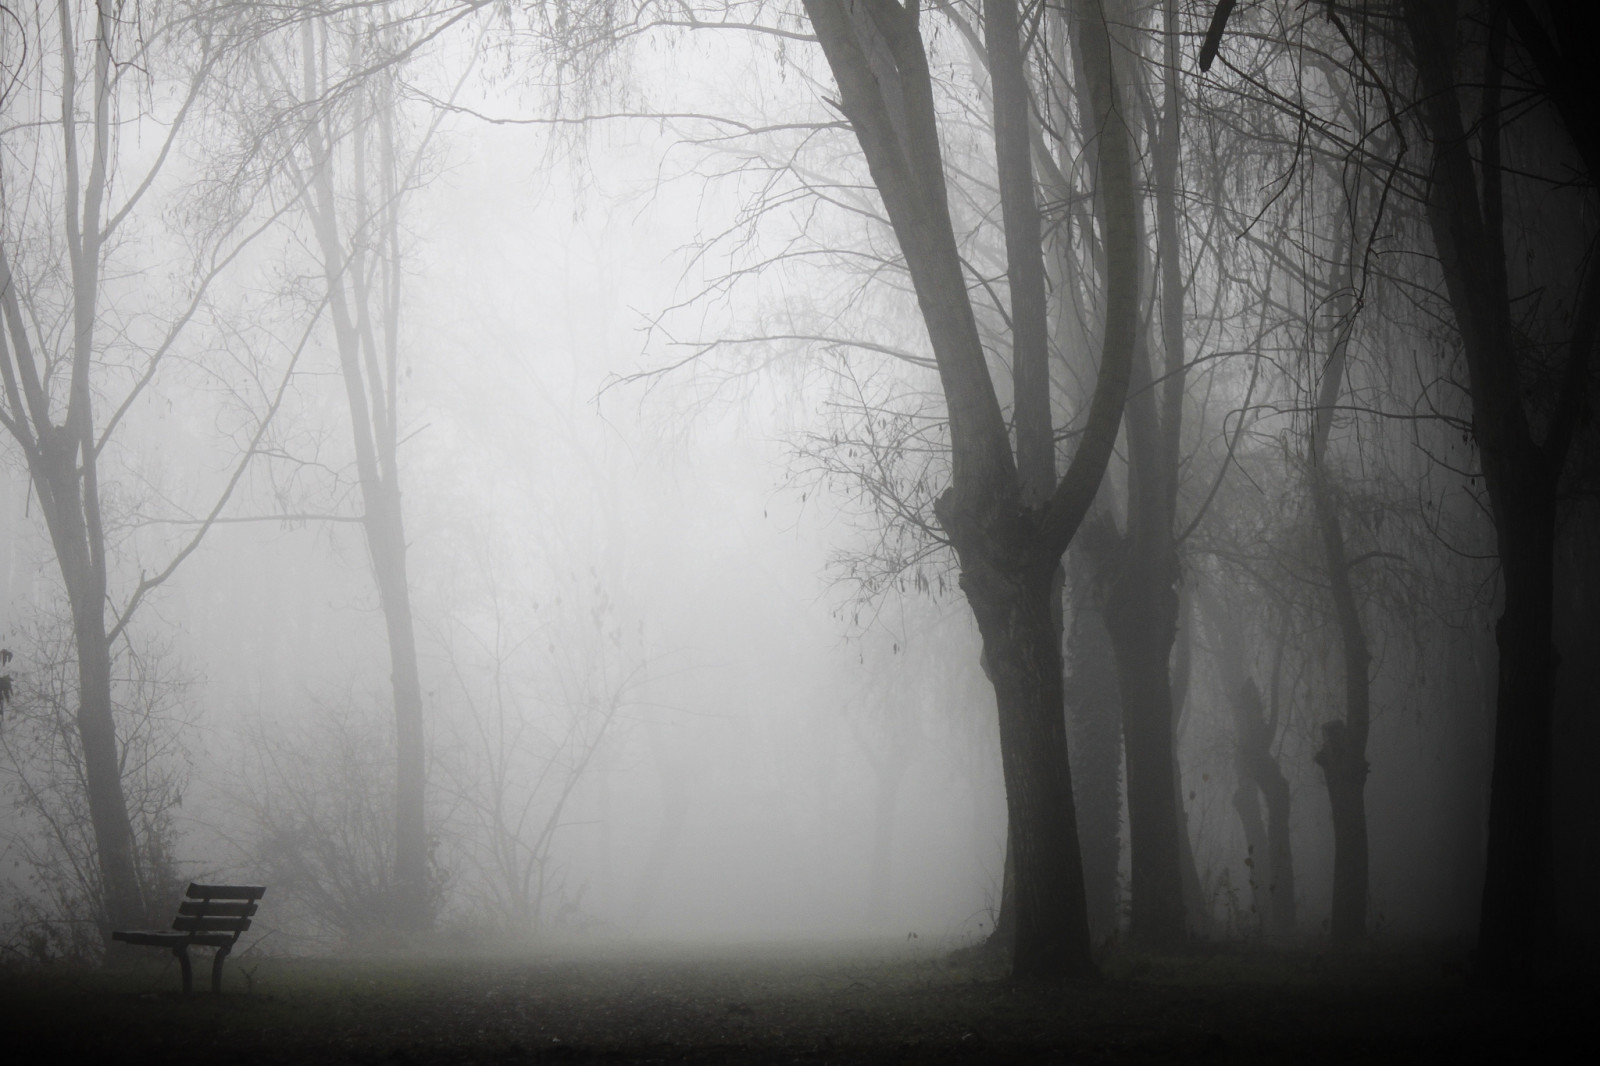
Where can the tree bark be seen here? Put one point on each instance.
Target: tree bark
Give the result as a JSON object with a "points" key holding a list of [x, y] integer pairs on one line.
{"points": [[1094, 722], [1141, 617], [1522, 475], [1342, 755], [1008, 549], [62, 464]]}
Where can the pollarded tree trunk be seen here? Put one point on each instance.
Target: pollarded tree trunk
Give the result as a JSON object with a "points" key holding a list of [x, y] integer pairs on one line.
{"points": [[1014, 613], [1007, 518]]}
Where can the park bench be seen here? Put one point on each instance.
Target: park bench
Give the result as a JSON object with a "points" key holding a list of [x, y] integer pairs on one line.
{"points": [[210, 916]]}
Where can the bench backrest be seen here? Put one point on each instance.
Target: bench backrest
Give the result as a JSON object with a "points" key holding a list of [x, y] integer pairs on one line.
{"points": [[218, 908]]}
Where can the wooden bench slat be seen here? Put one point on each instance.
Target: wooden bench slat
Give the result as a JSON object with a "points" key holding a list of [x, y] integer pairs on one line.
{"points": [[207, 924], [151, 937], [249, 892], [216, 909], [168, 938]]}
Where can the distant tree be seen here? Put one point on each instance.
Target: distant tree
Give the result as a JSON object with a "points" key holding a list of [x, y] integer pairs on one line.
{"points": [[341, 140], [75, 339]]}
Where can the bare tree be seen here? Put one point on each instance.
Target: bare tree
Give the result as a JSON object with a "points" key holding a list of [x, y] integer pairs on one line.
{"points": [[342, 139], [70, 342], [1006, 515], [1528, 379]]}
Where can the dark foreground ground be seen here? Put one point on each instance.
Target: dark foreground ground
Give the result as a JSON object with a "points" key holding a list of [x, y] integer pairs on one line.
{"points": [[787, 1004]]}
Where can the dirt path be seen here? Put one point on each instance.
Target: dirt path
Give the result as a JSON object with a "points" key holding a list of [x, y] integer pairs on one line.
{"points": [[775, 1004]]}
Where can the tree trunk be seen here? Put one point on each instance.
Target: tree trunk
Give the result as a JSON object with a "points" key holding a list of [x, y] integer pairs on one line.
{"points": [[123, 904], [1094, 722], [366, 331], [385, 529], [1008, 539], [1196, 907], [1247, 805], [1141, 617], [1466, 215], [1514, 931], [1281, 915], [70, 509], [1343, 755], [1022, 645]]}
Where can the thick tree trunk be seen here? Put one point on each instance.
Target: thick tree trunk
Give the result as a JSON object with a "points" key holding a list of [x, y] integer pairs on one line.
{"points": [[1141, 618], [1008, 536], [1094, 722], [1514, 927], [1022, 645]]}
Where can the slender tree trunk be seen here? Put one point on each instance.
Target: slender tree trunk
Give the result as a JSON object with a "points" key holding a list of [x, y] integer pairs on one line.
{"points": [[1344, 741], [1281, 914], [366, 332], [1196, 907], [1259, 775], [386, 544], [62, 457]]}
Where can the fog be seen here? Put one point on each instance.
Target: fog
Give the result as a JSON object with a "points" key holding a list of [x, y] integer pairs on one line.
{"points": [[695, 648]]}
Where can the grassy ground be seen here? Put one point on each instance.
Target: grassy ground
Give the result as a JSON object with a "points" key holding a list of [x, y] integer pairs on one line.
{"points": [[853, 1003]]}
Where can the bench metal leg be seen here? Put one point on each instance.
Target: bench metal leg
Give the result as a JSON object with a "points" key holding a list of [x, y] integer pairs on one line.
{"points": [[183, 961], [216, 968]]}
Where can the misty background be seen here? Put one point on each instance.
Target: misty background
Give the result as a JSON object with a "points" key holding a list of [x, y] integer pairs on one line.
{"points": [[693, 662]]}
